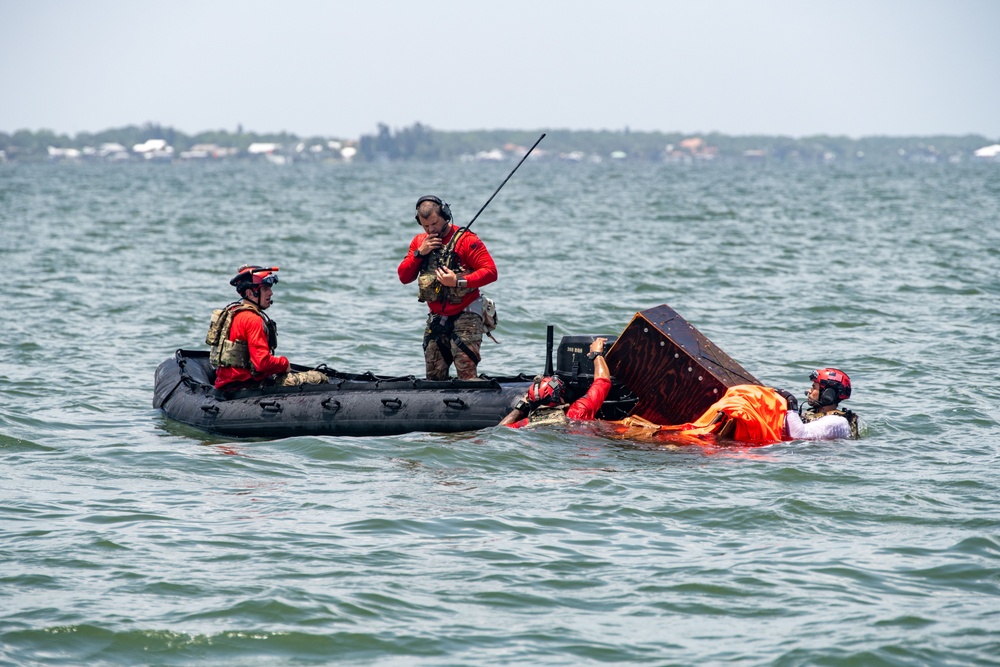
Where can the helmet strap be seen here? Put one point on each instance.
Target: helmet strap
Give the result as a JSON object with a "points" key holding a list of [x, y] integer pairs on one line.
{"points": [[255, 292]]}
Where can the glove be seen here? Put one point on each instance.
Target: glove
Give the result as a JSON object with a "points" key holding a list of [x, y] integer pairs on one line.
{"points": [[793, 403]]}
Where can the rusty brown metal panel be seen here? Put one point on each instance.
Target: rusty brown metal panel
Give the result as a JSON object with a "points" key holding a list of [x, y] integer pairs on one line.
{"points": [[674, 370]]}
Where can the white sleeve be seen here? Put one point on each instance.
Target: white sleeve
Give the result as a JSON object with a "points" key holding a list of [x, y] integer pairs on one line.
{"points": [[830, 427]]}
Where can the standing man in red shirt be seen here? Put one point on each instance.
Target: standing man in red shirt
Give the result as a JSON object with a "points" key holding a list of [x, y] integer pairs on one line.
{"points": [[450, 264], [243, 337], [545, 402]]}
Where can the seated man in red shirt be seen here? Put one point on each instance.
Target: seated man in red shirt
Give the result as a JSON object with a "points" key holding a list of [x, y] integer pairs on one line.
{"points": [[243, 338], [545, 401]]}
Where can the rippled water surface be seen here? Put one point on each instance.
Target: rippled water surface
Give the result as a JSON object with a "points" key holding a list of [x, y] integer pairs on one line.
{"points": [[128, 539]]}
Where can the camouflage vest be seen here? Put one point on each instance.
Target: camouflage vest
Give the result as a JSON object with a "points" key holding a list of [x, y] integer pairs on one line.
{"points": [[851, 417], [549, 416], [235, 354], [428, 287]]}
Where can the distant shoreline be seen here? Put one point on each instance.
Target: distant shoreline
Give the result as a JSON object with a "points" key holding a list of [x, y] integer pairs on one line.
{"points": [[420, 143]]}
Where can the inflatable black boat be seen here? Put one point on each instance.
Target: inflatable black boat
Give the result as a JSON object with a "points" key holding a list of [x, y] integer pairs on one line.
{"points": [[362, 404], [350, 404]]}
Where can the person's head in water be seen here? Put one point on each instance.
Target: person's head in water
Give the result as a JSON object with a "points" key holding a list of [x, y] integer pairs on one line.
{"points": [[545, 392], [254, 284], [434, 215], [830, 386]]}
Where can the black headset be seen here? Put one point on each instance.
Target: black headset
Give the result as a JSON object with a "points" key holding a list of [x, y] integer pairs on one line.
{"points": [[443, 207], [828, 396]]}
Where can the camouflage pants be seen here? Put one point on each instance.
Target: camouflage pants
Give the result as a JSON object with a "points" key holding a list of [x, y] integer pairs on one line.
{"points": [[295, 379], [441, 349]]}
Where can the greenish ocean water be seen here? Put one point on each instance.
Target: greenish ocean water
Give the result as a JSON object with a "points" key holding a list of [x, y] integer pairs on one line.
{"points": [[126, 539]]}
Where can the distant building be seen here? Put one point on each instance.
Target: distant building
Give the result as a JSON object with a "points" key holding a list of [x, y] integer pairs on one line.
{"points": [[150, 145], [262, 148], [59, 154], [154, 149], [692, 148], [495, 155], [988, 153], [112, 152], [694, 144], [206, 151]]}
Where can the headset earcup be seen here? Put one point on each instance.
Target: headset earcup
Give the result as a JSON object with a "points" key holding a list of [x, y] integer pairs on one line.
{"points": [[828, 396], [443, 208]]}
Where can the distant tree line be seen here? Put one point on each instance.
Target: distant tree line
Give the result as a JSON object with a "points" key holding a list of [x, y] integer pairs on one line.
{"points": [[420, 143], [33, 146]]}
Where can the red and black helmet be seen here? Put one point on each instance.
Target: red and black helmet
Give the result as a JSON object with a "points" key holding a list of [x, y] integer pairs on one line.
{"points": [[252, 277], [834, 385], [546, 392]]}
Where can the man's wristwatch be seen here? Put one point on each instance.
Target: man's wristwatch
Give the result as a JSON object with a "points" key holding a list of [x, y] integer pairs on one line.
{"points": [[462, 282], [416, 253], [594, 355]]}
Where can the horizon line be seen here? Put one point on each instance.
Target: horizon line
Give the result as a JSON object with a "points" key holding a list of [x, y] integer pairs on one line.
{"points": [[625, 130]]}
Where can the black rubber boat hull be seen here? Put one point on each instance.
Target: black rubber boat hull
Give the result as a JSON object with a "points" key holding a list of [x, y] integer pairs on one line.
{"points": [[351, 405]]}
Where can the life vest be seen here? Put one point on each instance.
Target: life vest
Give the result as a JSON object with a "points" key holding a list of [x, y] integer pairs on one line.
{"points": [[226, 353], [851, 417], [746, 413], [428, 287]]}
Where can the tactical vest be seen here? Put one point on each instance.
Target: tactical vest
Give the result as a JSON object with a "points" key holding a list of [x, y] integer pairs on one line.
{"points": [[235, 354], [428, 287], [549, 416], [851, 417]]}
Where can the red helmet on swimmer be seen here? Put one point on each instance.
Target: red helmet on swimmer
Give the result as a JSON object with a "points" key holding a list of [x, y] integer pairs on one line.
{"points": [[546, 392], [834, 386]]}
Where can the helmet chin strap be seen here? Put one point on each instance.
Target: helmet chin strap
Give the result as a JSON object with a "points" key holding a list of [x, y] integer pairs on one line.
{"points": [[255, 292]]}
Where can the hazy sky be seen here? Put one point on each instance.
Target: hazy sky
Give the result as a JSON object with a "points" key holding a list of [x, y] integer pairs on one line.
{"points": [[854, 67]]}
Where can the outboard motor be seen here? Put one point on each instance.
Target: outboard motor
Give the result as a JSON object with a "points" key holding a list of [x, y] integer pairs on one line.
{"points": [[577, 373]]}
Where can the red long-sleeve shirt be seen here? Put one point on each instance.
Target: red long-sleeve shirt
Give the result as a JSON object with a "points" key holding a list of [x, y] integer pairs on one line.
{"points": [[472, 254], [584, 408], [249, 326]]}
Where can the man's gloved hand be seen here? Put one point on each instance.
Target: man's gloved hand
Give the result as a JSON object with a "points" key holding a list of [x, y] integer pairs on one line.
{"points": [[793, 403]]}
